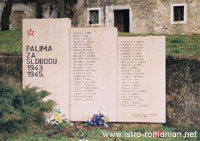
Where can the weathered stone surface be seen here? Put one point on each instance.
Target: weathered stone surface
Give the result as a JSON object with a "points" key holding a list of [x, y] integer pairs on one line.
{"points": [[183, 92], [21, 11], [146, 16], [11, 69], [34, 9], [49, 10]]}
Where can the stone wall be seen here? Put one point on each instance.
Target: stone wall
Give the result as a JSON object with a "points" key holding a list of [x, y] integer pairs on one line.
{"points": [[27, 10], [78, 20], [49, 10], [11, 69], [183, 92], [182, 87], [21, 11], [146, 16]]}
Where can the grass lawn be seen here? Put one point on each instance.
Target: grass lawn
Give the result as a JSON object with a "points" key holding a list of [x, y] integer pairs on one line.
{"points": [[176, 45], [11, 42], [115, 131]]}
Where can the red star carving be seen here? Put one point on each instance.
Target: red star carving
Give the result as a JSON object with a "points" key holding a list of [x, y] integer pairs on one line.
{"points": [[30, 32]]}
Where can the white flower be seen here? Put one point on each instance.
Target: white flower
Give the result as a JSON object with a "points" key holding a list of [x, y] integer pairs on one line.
{"points": [[106, 125]]}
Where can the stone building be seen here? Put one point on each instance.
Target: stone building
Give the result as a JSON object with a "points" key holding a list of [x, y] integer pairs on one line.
{"points": [[141, 16], [13, 11], [136, 16]]}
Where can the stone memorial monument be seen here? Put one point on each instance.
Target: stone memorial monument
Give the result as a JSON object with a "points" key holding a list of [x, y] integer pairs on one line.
{"points": [[91, 69]]}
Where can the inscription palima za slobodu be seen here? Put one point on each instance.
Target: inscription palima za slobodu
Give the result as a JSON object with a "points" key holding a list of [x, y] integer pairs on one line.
{"points": [[46, 58], [90, 69]]}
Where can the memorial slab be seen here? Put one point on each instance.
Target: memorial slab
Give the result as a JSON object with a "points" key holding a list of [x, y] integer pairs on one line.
{"points": [[93, 72], [90, 70], [141, 79], [46, 58]]}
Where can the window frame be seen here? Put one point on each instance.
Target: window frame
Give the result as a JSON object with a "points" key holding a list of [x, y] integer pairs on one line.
{"points": [[184, 5], [88, 17], [96, 12]]}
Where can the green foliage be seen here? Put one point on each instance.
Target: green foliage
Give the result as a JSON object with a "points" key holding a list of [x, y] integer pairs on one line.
{"points": [[177, 39], [79, 131], [11, 41], [175, 51], [22, 109], [176, 44]]}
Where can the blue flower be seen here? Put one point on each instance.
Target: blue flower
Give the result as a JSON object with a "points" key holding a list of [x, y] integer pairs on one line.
{"points": [[97, 120]]}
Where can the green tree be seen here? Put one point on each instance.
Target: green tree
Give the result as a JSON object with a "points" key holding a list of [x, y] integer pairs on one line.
{"points": [[22, 109]]}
